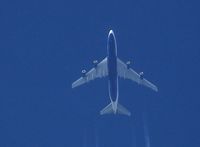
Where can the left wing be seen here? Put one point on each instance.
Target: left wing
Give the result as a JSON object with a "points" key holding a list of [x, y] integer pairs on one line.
{"points": [[129, 73], [99, 71]]}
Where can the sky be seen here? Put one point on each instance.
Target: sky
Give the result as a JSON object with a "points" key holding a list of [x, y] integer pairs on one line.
{"points": [[44, 45]]}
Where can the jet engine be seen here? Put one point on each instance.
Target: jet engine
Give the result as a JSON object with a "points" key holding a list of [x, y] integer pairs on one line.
{"points": [[141, 75], [95, 63], [83, 72], [128, 64]]}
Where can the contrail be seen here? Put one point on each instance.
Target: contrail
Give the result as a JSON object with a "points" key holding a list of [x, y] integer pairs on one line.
{"points": [[85, 138], [96, 138], [133, 132], [133, 141], [146, 131]]}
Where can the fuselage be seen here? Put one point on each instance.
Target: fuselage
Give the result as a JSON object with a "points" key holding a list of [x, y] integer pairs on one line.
{"points": [[112, 69]]}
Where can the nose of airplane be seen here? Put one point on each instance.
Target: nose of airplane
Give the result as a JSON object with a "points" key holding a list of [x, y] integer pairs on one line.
{"points": [[111, 35], [111, 32]]}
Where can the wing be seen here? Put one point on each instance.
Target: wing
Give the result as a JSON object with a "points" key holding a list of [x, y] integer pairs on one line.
{"points": [[128, 73], [101, 70]]}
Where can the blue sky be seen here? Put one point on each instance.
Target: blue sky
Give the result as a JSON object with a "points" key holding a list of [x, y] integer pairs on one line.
{"points": [[45, 45]]}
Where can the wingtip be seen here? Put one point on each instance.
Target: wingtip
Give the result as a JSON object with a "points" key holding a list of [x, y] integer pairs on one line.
{"points": [[129, 115], [73, 86]]}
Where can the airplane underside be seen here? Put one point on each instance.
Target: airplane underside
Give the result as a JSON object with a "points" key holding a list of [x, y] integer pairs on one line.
{"points": [[113, 67]]}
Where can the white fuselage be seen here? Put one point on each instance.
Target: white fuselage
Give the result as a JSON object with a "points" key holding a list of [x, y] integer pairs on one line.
{"points": [[112, 70]]}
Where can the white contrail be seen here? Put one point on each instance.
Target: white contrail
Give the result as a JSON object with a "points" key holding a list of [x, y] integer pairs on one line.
{"points": [[85, 138], [146, 132], [96, 138], [133, 141], [133, 132]]}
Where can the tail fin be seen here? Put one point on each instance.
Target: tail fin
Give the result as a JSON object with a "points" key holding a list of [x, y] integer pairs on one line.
{"points": [[110, 109]]}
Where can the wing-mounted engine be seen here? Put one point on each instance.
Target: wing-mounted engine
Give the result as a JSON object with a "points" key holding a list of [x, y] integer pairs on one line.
{"points": [[99, 70], [95, 63], [128, 64], [83, 72], [141, 75]]}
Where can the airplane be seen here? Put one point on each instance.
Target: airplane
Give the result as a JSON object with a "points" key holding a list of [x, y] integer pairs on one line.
{"points": [[112, 67]]}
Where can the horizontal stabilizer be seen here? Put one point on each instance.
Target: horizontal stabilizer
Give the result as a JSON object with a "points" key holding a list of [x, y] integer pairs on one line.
{"points": [[111, 109], [122, 110], [107, 110]]}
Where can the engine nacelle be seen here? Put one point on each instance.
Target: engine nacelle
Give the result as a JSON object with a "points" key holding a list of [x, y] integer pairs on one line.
{"points": [[83, 72], [95, 63], [128, 64], [141, 75]]}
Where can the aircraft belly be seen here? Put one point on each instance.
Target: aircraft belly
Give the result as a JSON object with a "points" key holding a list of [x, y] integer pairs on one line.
{"points": [[113, 90], [113, 81], [112, 67]]}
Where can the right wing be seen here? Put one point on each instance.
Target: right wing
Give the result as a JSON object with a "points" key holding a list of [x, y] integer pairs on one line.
{"points": [[129, 73], [101, 70]]}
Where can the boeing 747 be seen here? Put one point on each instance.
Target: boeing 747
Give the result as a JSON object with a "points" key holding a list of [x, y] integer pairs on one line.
{"points": [[113, 67]]}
